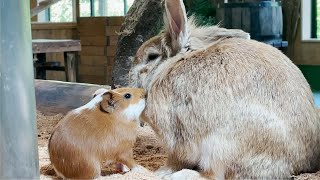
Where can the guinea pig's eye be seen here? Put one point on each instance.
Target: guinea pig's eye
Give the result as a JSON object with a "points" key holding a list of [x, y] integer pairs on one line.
{"points": [[127, 96], [153, 56]]}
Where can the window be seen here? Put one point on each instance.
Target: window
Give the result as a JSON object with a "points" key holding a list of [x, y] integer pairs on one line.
{"points": [[104, 7], [63, 10], [315, 19], [85, 8], [310, 19], [318, 18]]}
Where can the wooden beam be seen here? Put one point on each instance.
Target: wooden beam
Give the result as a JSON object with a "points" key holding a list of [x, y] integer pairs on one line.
{"points": [[76, 10], [42, 6], [54, 26], [33, 4], [55, 97]]}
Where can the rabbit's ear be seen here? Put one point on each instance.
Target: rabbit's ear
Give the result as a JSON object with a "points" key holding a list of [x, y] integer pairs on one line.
{"points": [[176, 24]]}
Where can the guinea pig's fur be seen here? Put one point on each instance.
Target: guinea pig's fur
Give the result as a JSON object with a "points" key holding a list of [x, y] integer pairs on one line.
{"points": [[234, 108], [104, 129]]}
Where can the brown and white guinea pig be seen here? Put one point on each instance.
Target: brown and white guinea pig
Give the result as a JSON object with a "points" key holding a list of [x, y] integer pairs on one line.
{"points": [[104, 129]]}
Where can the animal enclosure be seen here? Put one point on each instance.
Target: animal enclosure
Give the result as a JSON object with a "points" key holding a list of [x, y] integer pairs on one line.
{"points": [[218, 104]]}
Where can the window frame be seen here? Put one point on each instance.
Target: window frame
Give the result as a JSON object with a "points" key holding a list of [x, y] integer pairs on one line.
{"points": [[92, 6], [309, 21], [314, 19], [47, 17]]}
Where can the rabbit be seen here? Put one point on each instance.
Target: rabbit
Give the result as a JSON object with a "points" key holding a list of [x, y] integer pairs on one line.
{"points": [[104, 129], [227, 106]]}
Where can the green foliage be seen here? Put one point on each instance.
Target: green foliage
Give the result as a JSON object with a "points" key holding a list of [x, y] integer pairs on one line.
{"points": [[61, 11], [203, 10], [312, 74]]}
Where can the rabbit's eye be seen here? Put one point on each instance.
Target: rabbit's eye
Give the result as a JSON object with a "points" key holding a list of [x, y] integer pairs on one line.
{"points": [[152, 56]]}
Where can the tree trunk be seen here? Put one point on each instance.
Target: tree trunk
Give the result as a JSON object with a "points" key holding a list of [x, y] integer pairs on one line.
{"points": [[143, 20]]}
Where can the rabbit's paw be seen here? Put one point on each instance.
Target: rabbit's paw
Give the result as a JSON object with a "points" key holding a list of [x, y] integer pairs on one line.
{"points": [[139, 169]]}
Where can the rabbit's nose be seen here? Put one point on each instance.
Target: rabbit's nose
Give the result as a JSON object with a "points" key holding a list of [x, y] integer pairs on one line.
{"points": [[138, 85], [143, 70]]}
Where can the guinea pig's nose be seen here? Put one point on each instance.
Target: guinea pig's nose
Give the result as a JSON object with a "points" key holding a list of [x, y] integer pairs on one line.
{"points": [[143, 96]]}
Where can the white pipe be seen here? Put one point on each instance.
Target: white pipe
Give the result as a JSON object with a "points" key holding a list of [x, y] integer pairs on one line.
{"points": [[18, 138]]}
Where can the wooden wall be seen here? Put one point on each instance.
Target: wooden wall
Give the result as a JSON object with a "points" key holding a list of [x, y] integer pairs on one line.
{"points": [[99, 38], [55, 31], [306, 52]]}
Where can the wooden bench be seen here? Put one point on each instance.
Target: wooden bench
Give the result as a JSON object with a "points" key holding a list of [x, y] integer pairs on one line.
{"points": [[67, 46]]}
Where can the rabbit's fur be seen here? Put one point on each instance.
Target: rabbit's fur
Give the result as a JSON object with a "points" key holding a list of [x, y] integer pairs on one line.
{"points": [[225, 105]]}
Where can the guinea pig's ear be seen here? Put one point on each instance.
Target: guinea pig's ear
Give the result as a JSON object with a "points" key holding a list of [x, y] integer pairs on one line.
{"points": [[107, 103], [99, 91]]}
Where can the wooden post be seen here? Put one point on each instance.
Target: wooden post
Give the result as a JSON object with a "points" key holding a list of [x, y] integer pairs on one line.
{"points": [[76, 10], [291, 20], [33, 4], [70, 66], [18, 132]]}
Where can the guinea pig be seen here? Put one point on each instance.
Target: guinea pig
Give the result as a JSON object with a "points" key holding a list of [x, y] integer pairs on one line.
{"points": [[104, 129]]}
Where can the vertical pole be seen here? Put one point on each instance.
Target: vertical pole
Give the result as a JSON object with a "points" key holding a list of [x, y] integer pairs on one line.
{"points": [[48, 14], [76, 10], [125, 7], [102, 8], [18, 141], [70, 66], [106, 7], [313, 13], [92, 8]]}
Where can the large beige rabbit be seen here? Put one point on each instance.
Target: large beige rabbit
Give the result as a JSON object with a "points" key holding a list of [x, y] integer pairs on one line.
{"points": [[229, 107]]}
